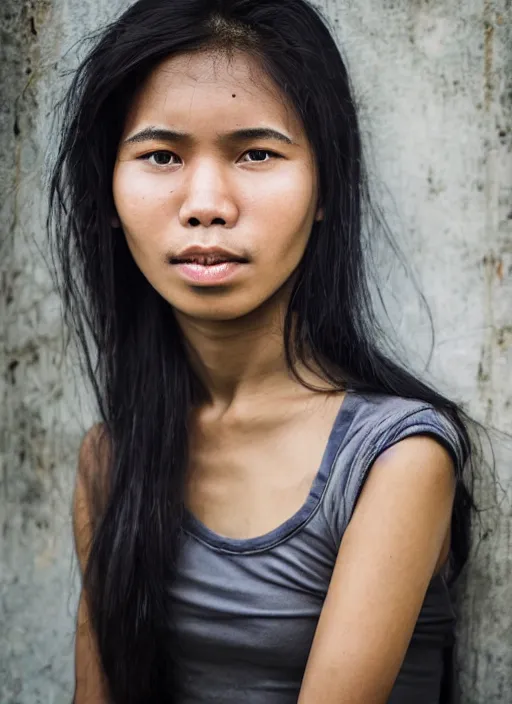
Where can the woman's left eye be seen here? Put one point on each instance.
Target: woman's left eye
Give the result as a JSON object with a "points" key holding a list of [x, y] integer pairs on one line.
{"points": [[260, 155]]}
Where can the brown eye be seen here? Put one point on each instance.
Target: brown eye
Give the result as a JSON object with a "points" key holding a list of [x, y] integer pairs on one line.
{"points": [[159, 158], [260, 154]]}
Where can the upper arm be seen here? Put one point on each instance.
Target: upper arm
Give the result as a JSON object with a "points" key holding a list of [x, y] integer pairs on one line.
{"points": [[89, 680], [91, 478], [386, 560]]}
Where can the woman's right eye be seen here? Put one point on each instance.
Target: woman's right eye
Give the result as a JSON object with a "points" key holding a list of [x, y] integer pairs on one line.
{"points": [[159, 158]]}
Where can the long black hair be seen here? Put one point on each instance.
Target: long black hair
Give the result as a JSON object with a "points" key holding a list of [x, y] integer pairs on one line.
{"points": [[131, 342]]}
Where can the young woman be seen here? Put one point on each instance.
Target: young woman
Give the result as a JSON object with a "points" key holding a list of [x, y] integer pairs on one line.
{"points": [[271, 508]]}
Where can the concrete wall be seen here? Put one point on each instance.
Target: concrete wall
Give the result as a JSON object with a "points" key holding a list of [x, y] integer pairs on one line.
{"points": [[434, 79]]}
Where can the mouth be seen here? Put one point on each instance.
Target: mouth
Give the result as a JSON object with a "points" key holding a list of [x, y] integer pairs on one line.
{"points": [[208, 271], [207, 260]]}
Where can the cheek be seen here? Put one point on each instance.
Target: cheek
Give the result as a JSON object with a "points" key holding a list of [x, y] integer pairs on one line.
{"points": [[286, 212], [141, 204]]}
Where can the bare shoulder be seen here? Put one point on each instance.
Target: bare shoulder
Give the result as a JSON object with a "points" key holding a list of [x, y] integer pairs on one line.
{"points": [[94, 452], [413, 477], [90, 483], [417, 460]]}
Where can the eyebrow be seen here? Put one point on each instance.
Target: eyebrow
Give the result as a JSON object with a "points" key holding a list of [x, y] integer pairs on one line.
{"points": [[243, 135]]}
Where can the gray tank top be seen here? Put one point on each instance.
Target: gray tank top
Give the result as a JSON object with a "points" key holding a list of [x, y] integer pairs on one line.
{"points": [[247, 610]]}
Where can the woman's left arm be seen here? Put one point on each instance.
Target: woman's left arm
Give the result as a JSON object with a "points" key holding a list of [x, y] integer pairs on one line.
{"points": [[393, 545]]}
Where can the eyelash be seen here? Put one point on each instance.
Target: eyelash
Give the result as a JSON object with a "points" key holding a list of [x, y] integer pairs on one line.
{"points": [[147, 157]]}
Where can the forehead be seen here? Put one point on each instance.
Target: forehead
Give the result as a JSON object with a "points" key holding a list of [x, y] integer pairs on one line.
{"points": [[211, 88]]}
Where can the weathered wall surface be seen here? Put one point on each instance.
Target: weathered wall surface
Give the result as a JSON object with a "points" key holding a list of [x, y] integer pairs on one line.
{"points": [[434, 79]]}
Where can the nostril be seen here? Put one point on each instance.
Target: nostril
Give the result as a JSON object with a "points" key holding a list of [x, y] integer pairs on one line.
{"points": [[194, 222]]}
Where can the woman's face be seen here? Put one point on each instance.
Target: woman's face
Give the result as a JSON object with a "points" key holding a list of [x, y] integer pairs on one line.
{"points": [[212, 158]]}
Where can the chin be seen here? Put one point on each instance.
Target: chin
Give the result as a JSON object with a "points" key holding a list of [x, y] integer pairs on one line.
{"points": [[215, 308]]}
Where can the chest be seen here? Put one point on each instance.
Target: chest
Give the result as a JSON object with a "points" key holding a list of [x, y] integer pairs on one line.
{"points": [[247, 477], [253, 609]]}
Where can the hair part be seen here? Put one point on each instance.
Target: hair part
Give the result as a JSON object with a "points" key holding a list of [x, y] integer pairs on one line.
{"points": [[229, 33]]}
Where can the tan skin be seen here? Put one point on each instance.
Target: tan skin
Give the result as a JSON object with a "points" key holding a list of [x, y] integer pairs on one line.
{"points": [[257, 444]]}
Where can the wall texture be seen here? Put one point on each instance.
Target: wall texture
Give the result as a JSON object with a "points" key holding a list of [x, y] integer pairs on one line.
{"points": [[434, 82]]}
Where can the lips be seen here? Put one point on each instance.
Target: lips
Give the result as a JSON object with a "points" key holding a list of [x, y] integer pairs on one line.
{"points": [[209, 260], [210, 256], [215, 274]]}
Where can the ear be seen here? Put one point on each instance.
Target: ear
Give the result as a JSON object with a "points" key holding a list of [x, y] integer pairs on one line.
{"points": [[319, 215]]}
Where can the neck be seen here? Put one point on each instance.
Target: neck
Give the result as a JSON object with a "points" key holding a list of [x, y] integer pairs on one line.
{"points": [[243, 358]]}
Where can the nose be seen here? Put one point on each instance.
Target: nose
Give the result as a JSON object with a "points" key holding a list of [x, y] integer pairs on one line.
{"points": [[208, 200]]}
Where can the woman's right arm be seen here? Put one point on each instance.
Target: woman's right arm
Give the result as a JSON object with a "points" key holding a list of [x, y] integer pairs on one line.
{"points": [[90, 686]]}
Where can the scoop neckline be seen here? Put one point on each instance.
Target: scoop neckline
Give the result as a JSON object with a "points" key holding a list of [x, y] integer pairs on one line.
{"points": [[197, 529]]}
